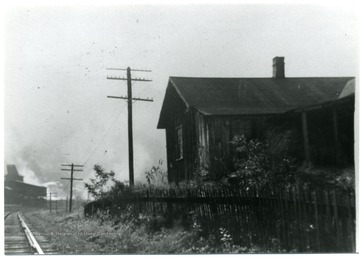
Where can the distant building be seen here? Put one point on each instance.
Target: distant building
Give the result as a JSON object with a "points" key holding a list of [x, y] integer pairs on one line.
{"points": [[202, 115], [13, 174], [18, 192]]}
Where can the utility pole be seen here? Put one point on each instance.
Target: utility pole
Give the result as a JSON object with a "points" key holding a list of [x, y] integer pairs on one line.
{"points": [[50, 202], [55, 201], [66, 204], [72, 170], [129, 100]]}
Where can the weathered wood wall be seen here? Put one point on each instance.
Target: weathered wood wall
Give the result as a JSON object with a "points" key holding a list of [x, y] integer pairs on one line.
{"points": [[214, 135], [207, 147]]}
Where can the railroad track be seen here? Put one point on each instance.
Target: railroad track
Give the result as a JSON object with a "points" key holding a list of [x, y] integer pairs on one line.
{"points": [[19, 239]]}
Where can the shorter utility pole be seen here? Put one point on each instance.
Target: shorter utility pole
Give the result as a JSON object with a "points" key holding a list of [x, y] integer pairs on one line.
{"points": [[72, 170], [66, 204], [55, 202], [50, 202]]}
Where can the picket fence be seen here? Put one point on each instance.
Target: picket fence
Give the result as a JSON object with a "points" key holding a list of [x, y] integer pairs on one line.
{"points": [[296, 219]]}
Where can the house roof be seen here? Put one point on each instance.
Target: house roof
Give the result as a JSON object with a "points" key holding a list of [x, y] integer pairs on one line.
{"points": [[26, 189], [253, 96]]}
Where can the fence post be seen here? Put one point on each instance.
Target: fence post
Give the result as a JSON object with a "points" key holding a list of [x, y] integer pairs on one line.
{"points": [[285, 218], [328, 214], [304, 192], [296, 222], [300, 218], [169, 204], [248, 198], [289, 236], [213, 206], [257, 205], [316, 220], [351, 226], [336, 218]]}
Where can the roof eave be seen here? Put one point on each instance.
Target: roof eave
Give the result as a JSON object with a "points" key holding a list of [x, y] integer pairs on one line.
{"points": [[179, 93], [322, 105], [161, 123]]}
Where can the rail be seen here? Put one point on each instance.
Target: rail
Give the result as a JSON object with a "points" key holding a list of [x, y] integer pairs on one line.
{"points": [[30, 237], [7, 214]]}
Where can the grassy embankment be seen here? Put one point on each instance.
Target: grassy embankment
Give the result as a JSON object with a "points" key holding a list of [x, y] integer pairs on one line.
{"points": [[73, 234]]}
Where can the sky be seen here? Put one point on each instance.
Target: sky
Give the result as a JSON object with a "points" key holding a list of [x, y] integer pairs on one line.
{"points": [[56, 109]]}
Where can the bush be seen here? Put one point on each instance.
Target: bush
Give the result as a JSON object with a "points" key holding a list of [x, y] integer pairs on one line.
{"points": [[98, 184], [156, 176], [254, 166], [271, 164]]}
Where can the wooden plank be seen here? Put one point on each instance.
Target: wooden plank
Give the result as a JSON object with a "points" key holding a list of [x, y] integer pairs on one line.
{"points": [[317, 224], [336, 219], [351, 221]]}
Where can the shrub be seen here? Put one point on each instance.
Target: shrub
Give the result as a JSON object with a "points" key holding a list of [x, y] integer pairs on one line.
{"points": [[98, 184], [156, 176], [254, 167]]}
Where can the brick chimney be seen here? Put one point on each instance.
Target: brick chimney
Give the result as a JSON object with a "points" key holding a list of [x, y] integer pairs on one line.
{"points": [[278, 67]]}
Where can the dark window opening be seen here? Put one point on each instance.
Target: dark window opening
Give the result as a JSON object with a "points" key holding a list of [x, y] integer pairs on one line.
{"points": [[242, 127]]}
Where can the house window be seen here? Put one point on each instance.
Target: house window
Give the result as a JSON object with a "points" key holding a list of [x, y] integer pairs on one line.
{"points": [[179, 142], [242, 127]]}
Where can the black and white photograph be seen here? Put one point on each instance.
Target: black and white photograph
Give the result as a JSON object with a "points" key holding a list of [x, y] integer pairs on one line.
{"points": [[157, 128]]}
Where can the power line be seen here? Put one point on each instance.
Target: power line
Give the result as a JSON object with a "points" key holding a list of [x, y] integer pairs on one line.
{"points": [[134, 70], [104, 135], [93, 114]]}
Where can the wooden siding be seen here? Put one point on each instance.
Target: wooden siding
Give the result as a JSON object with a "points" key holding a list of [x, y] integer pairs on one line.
{"points": [[170, 152], [189, 144], [176, 171], [213, 139], [201, 142], [181, 169], [207, 139]]}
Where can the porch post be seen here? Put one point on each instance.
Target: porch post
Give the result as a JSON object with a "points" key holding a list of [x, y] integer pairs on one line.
{"points": [[305, 137], [336, 137]]}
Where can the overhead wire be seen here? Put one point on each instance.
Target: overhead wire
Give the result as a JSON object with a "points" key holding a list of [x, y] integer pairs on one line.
{"points": [[104, 135], [106, 132]]}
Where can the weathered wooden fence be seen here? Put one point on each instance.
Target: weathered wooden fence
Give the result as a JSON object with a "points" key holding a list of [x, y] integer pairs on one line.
{"points": [[291, 220]]}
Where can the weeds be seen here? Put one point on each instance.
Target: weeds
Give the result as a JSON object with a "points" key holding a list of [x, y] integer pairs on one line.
{"points": [[129, 234]]}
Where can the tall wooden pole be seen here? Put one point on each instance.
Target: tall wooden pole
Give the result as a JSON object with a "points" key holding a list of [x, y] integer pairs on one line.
{"points": [[129, 99], [71, 186], [130, 130]]}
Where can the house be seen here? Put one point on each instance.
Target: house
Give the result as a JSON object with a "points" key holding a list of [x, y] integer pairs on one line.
{"points": [[19, 192], [202, 115]]}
